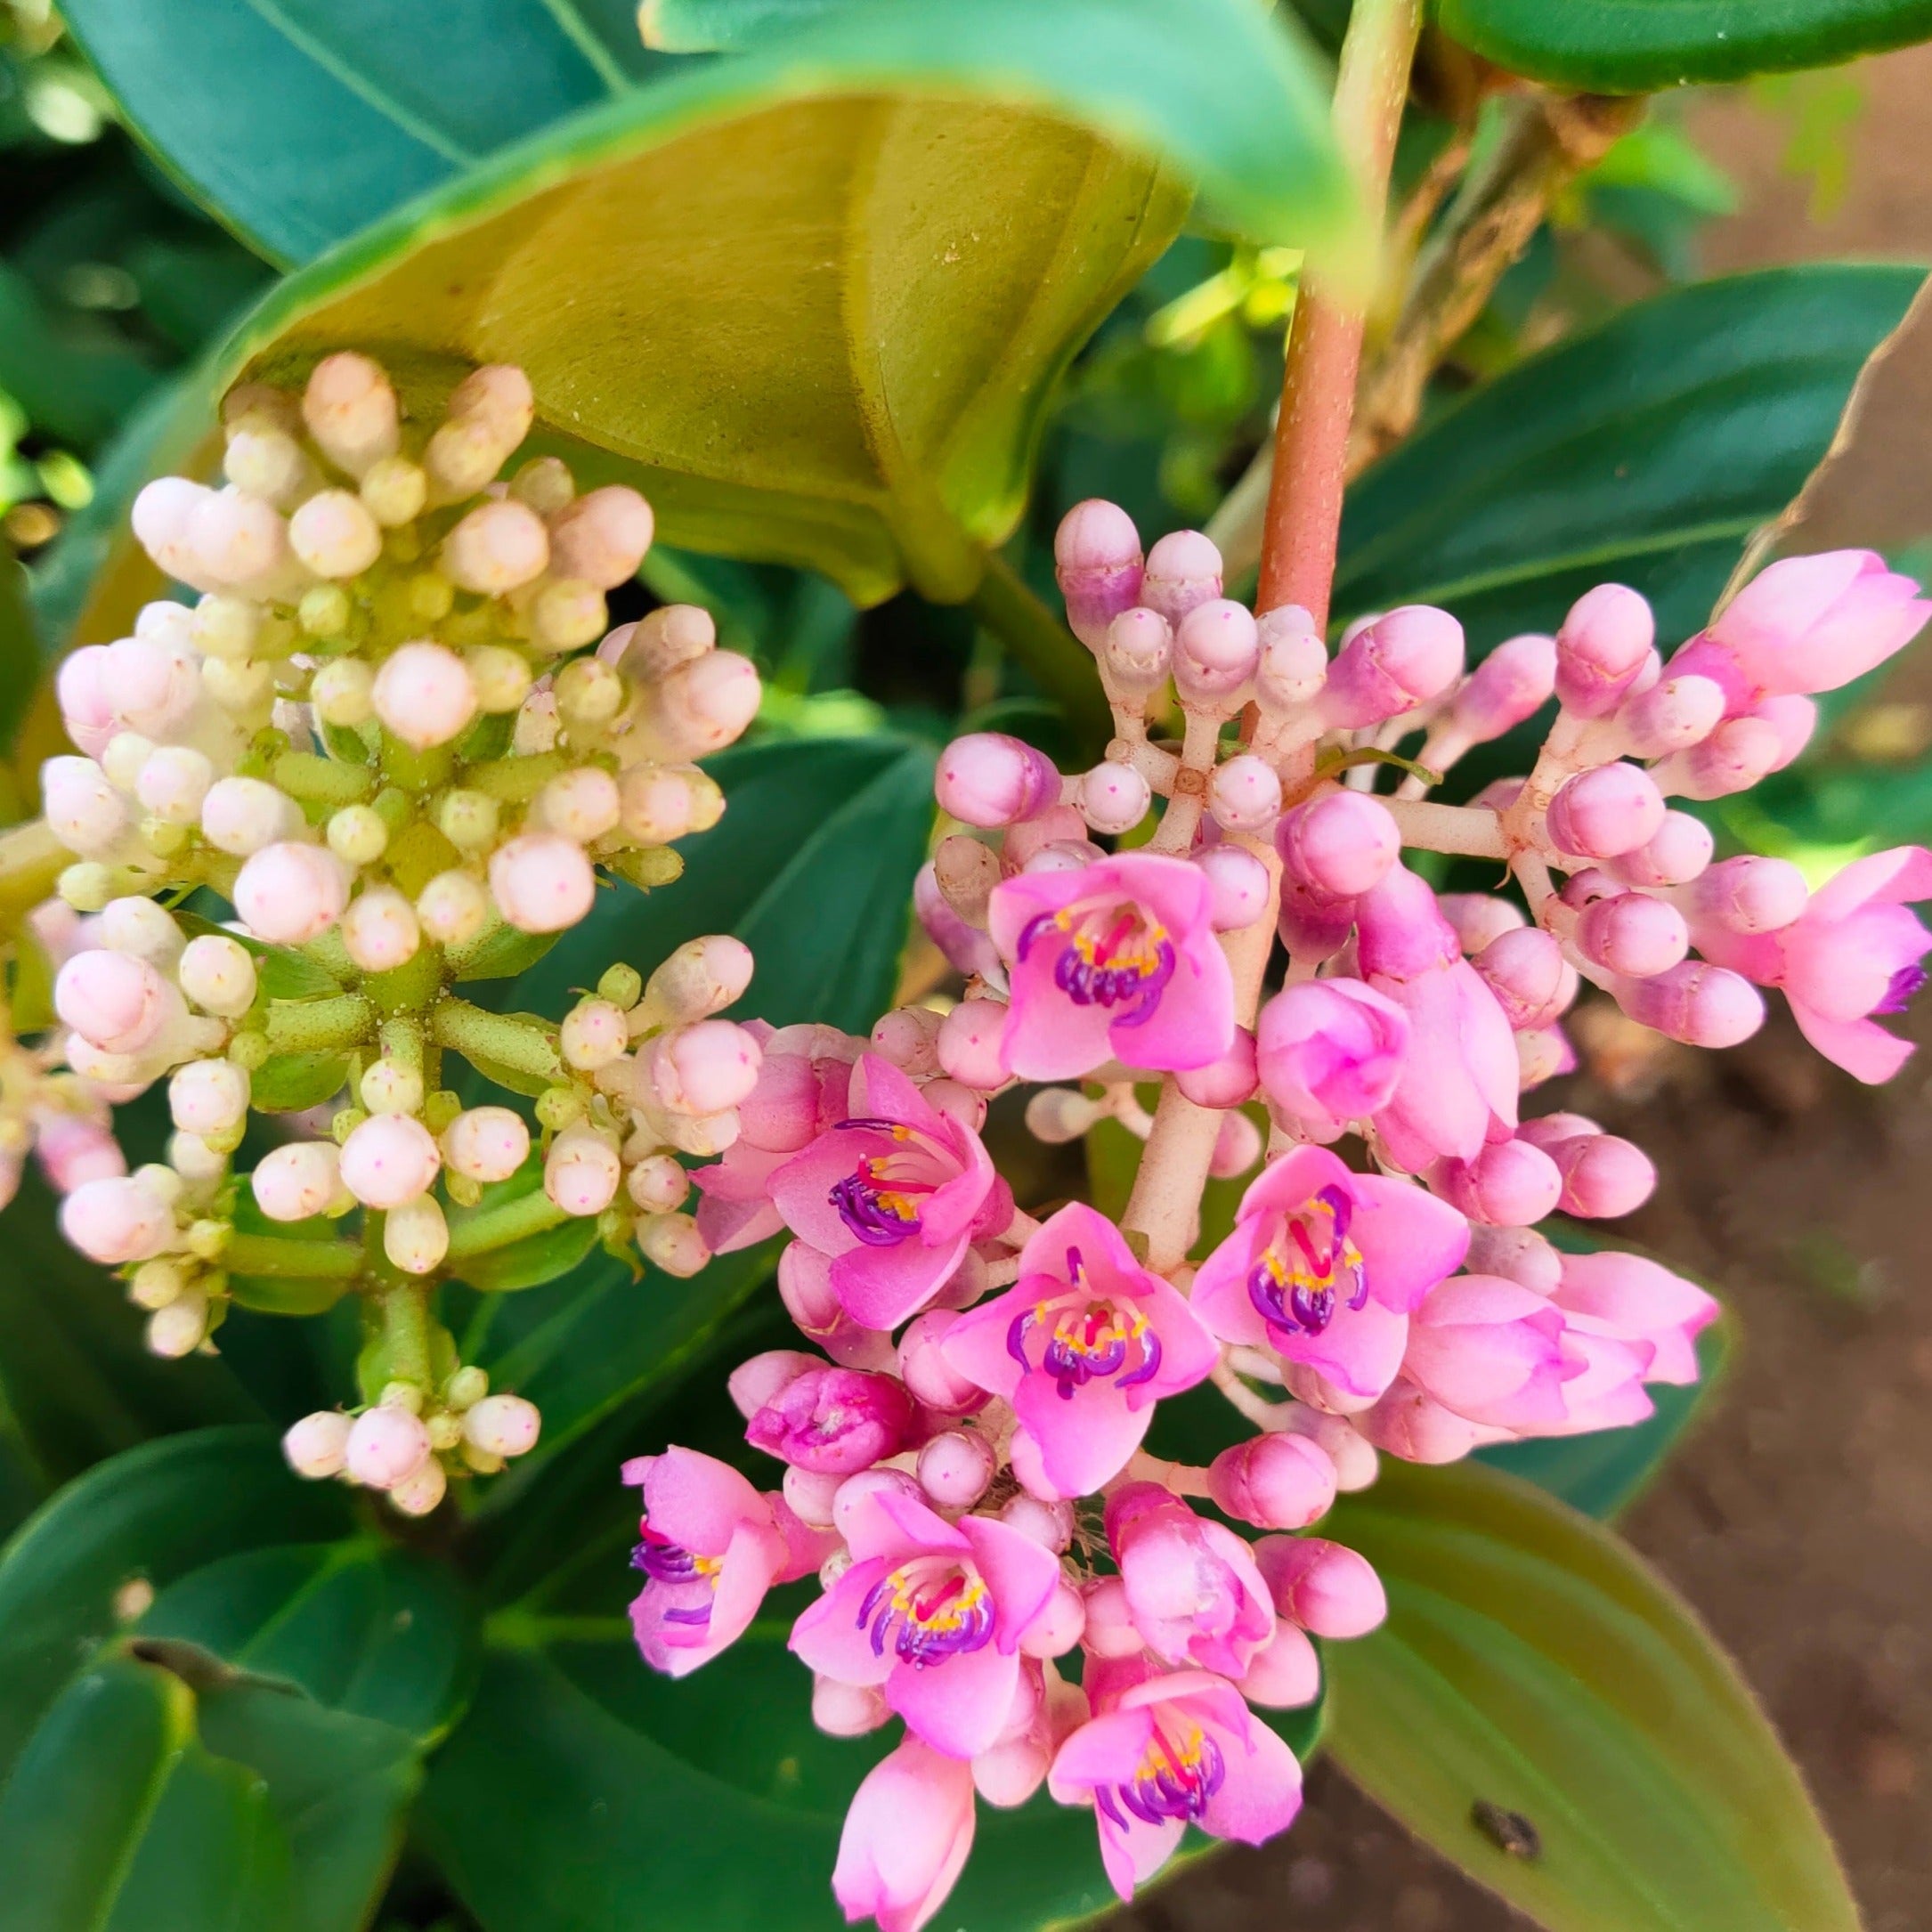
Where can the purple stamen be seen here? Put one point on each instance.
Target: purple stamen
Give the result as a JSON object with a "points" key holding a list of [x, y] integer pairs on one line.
{"points": [[1899, 990], [946, 1614]]}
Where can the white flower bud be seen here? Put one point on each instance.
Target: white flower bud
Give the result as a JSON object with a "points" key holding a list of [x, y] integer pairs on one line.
{"points": [[289, 894], [503, 1425], [267, 462], [380, 929], [602, 537], [208, 1097], [1114, 797], [116, 1001], [241, 816], [452, 908], [357, 835], [499, 675], [544, 483], [394, 491], [389, 1160], [1245, 794], [84, 811], [469, 819], [541, 882], [351, 411], [567, 614], [318, 1446], [486, 1143], [140, 927], [662, 803], [658, 1185], [581, 1172], [589, 693], [1058, 1115], [161, 517], [180, 1328], [672, 1244], [700, 708], [174, 783], [658, 643], [334, 534], [126, 753], [496, 548], [386, 1446], [536, 729], [582, 804], [595, 1033], [424, 696], [415, 1235], [218, 973], [118, 1219], [242, 690], [298, 1180], [238, 540], [389, 1087], [225, 626], [701, 978], [197, 1163], [156, 1284], [419, 1492], [343, 692]]}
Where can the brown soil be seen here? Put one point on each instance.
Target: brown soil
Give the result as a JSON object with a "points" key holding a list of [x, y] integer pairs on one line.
{"points": [[1799, 1518]]}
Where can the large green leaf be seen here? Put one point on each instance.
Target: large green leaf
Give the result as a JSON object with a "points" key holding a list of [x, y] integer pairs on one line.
{"points": [[1531, 1662], [300, 122], [812, 299], [1632, 47], [1643, 453]]}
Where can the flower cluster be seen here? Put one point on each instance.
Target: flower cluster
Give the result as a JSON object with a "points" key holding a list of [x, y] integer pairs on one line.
{"points": [[1005, 1568], [397, 734]]}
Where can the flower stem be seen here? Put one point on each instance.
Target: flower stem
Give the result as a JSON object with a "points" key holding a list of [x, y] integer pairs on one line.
{"points": [[488, 1040], [405, 1323]]}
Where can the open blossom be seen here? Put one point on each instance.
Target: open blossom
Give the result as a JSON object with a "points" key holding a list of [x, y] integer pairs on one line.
{"points": [[1192, 1591], [894, 1193], [906, 1838], [934, 1613], [1628, 1320], [1167, 1749], [1113, 961], [1324, 1266], [1082, 1346]]}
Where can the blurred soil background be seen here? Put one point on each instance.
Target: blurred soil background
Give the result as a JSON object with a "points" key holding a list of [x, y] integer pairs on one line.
{"points": [[1798, 1519]]}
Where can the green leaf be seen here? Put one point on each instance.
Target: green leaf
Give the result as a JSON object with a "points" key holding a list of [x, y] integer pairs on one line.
{"points": [[280, 972], [292, 1083], [529, 1261], [299, 123], [1530, 1661], [154, 1514], [1633, 46], [703, 26], [20, 647], [950, 196], [1643, 453]]}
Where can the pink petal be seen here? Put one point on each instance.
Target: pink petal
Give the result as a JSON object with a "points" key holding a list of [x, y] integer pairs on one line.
{"points": [[1862, 1047], [961, 1706], [828, 1637]]}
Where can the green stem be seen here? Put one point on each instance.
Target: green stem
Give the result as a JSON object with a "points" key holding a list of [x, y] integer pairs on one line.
{"points": [[489, 1227], [321, 781], [505, 1039], [405, 1326], [277, 1255], [516, 781], [31, 859], [315, 1025], [1062, 666]]}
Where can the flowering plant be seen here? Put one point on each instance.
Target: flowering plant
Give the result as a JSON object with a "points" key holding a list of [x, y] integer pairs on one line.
{"points": [[670, 1142]]}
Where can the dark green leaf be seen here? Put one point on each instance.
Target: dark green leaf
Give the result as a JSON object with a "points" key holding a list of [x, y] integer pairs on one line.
{"points": [[1632, 47], [525, 1262], [20, 647], [74, 389], [505, 953], [292, 1083], [280, 972], [1531, 1662], [1643, 453]]}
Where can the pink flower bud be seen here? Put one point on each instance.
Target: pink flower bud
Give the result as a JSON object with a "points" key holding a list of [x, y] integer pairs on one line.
{"points": [[989, 779], [503, 1425], [72, 1151], [1629, 932], [424, 695], [1341, 844], [1329, 1051], [298, 1180], [1245, 794], [1294, 663], [1390, 666], [1525, 970], [486, 1143], [318, 1446], [414, 1237], [236, 539], [1240, 885], [1226, 1082], [1097, 559], [601, 538], [582, 805], [656, 805], [1603, 813], [847, 1709], [1672, 716], [1110, 1629], [1183, 571], [955, 1468], [174, 783], [836, 1421], [241, 816], [702, 1069], [351, 411], [928, 1377], [208, 1097], [117, 1001], [1794, 718], [1285, 1675], [969, 1044], [909, 1037], [1506, 688], [595, 1034], [116, 1219], [1603, 1175], [385, 1447], [703, 706], [1750, 894], [581, 1172], [499, 546], [1510, 1184], [289, 894], [420, 1490], [1326, 1587], [334, 535], [1477, 918], [85, 812], [541, 882], [1052, 1634], [1113, 797], [1601, 647], [379, 931], [1274, 1481], [1138, 650], [1676, 853], [389, 1159], [1519, 1254], [1734, 757], [1699, 1004], [759, 1380], [1238, 1147], [1050, 1524], [1216, 652]]}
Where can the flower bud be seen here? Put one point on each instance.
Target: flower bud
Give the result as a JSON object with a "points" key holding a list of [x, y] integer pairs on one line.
{"points": [[343, 692], [386, 1446], [379, 931], [161, 517], [702, 1069], [1401, 658], [1063, 855], [1700, 1004], [1238, 885], [594, 1034], [394, 491], [1632, 933], [117, 1001], [318, 1446], [928, 1377], [1226, 1082], [424, 695], [298, 1180], [1356, 1463], [658, 1185], [541, 882], [1238, 1146], [581, 1172], [1276, 1481], [1294, 664], [602, 537], [1341, 844], [288, 894], [357, 835], [351, 411], [118, 1219], [1110, 1630], [389, 1160], [419, 1492], [208, 1097], [1217, 652], [1510, 1184], [969, 1044], [241, 816], [1050, 1524], [1183, 571], [389, 1087], [84, 811], [583, 804], [847, 1709], [1327, 1588], [1058, 1115], [1509, 686], [73, 1150], [236, 539], [1245, 794], [909, 1037], [452, 908], [1672, 716], [1285, 1674], [1604, 644], [334, 535], [989, 779], [955, 1468], [701, 978], [1677, 853], [174, 783], [1750, 894], [834, 1421], [1794, 718], [181, 1327], [1735, 756], [1113, 797], [1606, 812], [504, 1426], [1329, 1051], [1098, 562], [414, 1237], [486, 1143], [700, 707], [673, 1244], [1603, 1175], [1524, 968], [500, 677], [1137, 652], [496, 548]]}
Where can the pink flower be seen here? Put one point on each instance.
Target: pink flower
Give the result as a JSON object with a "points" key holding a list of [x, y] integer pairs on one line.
{"points": [[1490, 1351], [1626, 1321], [1330, 1052], [895, 1194], [1852, 952], [1806, 624], [1193, 1593], [832, 1421], [1115, 960], [712, 1546], [905, 1839], [803, 1085], [1082, 1346], [934, 1614], [1324, 1267], [1165, 1751]]}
